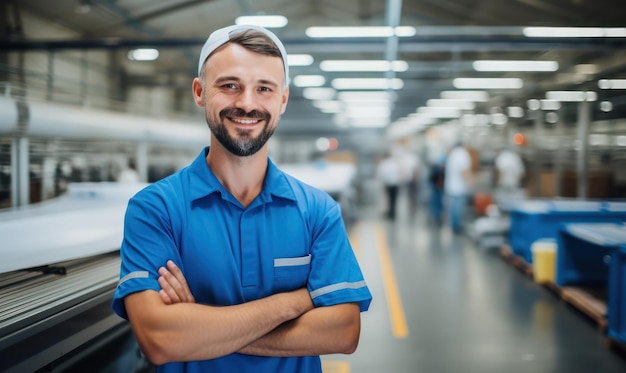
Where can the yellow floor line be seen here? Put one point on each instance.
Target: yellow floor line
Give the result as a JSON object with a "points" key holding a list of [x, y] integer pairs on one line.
{"points": [[399, 326], [331, 366], [353, 236]]}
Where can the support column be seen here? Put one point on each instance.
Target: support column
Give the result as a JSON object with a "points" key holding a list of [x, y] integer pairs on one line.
{"points": [[20, 173], [559, 159], [536, 158], [584, 116], [142, 161]]}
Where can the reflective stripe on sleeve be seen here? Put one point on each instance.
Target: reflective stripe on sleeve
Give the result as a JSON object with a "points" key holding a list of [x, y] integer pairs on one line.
{"points": [[138, 274], [336, 287]]}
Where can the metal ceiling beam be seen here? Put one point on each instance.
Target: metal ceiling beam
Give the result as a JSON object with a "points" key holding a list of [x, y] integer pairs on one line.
{"points": [[413, 44]]}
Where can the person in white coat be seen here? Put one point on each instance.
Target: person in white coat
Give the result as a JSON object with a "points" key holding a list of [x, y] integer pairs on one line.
{"points": [[457, 182]]}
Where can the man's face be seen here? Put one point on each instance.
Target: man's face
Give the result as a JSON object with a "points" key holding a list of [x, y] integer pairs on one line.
{"points": [[244, 95]]}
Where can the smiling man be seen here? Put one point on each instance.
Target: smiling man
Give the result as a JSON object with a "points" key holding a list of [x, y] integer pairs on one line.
{"points": [[231, 265]]}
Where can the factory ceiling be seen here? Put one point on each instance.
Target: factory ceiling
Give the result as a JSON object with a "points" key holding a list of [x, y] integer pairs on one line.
{"points": [[441, 42]]}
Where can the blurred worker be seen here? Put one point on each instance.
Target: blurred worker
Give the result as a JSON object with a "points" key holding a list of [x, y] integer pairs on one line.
{"points": [[457, 181], [229, 264], [129, 175], [436, 158], [510, 171], [388, 172], [436, 173]]}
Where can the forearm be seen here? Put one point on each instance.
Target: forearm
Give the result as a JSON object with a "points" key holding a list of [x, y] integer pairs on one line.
{"points": [[188, 331], [323, 330]]}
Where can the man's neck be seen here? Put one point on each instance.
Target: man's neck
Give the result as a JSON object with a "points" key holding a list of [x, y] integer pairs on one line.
{"points": [[243, 177]]}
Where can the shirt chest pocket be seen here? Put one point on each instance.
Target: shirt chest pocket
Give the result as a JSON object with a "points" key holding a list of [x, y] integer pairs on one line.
{"points": [[291, 273]]}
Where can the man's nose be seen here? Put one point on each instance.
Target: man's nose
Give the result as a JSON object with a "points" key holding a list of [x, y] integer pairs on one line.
{"points": [[246, 100]]}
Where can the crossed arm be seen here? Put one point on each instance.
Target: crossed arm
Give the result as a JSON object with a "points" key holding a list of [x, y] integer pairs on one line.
{"points": [[170, 326]]}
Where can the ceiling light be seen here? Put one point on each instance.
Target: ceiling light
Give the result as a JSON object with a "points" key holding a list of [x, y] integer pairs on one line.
{"points": [[364, 112], [318, 93], [459, 104], [533, 104], [363, 65], [495, 65], [366, 96], [574, 32], [572, 96], [476, 96], [299, 59], [328, 106], [309, 80], [612, 83], [515, 112], [437, 112], [488, 83], [269, 21], [359, 32], [370, 122], [550, 105], [367, 83], [143, 54], [606, 106]]}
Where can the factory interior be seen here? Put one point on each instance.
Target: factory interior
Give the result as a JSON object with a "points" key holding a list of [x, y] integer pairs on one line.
{"points": [[522, 269]]}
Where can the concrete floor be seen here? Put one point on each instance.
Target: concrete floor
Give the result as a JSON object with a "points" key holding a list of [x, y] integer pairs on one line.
{"points": [[465, 309]]}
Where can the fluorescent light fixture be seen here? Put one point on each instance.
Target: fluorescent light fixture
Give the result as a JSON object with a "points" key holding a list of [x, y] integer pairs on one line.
{"points": [[300, 60], [533, 104], [367, 83], [328, 106], [363, 65], [436, 112], [575, 32], [606, 106], [367, 112], [369, 122], [360, 32], [309, 80], [366, 96], [269, 21], [550, 105], [143, 54], [476, 96], [620, 140], [499, 119], [515, 112], [612, 83], [572, 96], [451, 103], [318, 93], [475, 119], [488, 83], [417, 119], [495, 65]]}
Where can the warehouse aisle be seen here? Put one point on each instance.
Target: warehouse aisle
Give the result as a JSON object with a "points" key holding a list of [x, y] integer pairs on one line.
{"points": [[443, 305]]}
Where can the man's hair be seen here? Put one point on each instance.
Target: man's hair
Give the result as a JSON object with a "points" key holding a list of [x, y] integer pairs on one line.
{"points": [[252, 40]]}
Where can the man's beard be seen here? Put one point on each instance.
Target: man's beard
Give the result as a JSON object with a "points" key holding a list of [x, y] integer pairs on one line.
{"points": [[245, 145]]}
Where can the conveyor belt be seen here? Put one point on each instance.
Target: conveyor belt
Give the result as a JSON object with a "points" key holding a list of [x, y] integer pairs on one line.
{"points": [[44, 316]]}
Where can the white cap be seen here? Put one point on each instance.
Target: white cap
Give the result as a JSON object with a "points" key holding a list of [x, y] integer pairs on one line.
{"points": [[222, 36]]}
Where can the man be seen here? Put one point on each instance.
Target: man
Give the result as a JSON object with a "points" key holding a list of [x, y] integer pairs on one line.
{"points": [[230, 265]]}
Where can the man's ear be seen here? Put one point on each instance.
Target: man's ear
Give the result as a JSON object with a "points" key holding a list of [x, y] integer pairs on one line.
{"points": [[285, 99], [198, 92]]}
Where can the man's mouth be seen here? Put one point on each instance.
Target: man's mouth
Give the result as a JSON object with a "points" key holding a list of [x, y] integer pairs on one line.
{"points": [[245, 121]]}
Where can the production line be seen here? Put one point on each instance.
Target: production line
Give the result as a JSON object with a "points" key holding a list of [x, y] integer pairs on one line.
{"points": [[59, 270]]}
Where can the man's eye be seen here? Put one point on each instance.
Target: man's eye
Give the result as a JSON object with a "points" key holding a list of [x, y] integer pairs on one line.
{"points": [[265, 89], [230, 85]]}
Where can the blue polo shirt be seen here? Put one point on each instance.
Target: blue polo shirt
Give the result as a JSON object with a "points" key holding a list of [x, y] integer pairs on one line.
{"points": [[292, 235]]}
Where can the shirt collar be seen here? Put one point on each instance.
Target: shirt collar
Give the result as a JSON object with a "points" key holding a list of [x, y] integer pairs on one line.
{"points": [[203, 182]]}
